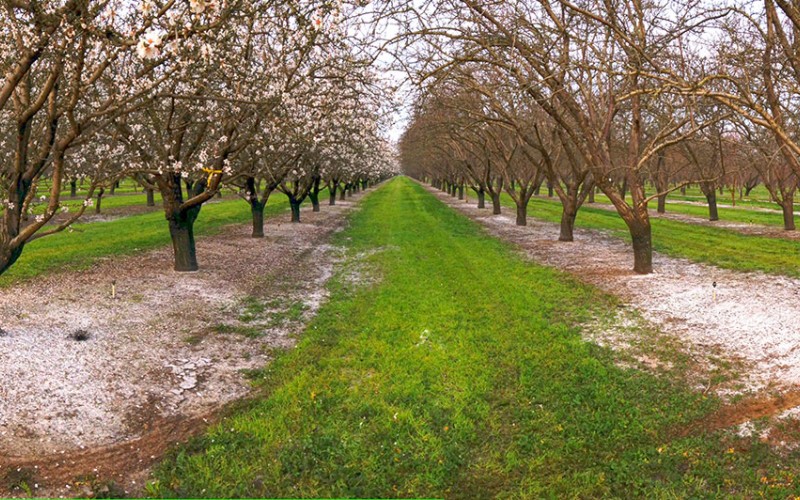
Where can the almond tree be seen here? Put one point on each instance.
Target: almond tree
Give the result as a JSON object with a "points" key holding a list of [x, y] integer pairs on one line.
{"points": [[757, 149], [72, 68], [757, 77], [596, 68]]}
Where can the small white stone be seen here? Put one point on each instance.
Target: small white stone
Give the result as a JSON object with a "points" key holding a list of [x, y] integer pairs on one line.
{"points": [[189, 383]]}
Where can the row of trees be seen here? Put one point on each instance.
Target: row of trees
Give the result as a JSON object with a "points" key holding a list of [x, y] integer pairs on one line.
{"points": [[186, 96], [612, 96]]}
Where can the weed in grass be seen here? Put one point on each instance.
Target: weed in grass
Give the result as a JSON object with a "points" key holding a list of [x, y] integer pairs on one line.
{"points": [[255, 374], [251, 332], [21, 480], [291, 314], [195, 339], [96, 488], [252, 309]]}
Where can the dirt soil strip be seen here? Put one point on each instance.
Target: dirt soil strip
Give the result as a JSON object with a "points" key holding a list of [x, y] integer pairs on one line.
{"points": [[161, 359], [741, 227], [745, 411], [752, 318]]}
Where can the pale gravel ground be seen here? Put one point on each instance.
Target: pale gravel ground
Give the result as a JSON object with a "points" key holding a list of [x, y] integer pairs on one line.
{"points": [[58, 394], [753, 319]]}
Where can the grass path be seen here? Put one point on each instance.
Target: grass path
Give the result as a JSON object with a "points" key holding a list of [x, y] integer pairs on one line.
{"points": [[458, 370]]}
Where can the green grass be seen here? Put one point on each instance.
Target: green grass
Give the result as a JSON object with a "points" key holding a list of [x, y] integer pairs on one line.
{"points": [[460, 373], [759, 198], [725, 248], [89, 242], [245, 331], [740, 214], [108, 203]]}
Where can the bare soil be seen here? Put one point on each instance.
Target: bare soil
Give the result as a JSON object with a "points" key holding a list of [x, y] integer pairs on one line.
{"points": [[162, 357]]}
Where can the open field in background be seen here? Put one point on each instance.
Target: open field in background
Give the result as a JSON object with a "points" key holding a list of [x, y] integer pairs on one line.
{"points": [[446, 365], [88, 242], [109, 202], [759, 197], [126, 186], [725, 248], [764, 213]]}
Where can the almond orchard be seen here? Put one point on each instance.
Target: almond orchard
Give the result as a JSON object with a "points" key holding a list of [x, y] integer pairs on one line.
{"points": [[391, 249]]}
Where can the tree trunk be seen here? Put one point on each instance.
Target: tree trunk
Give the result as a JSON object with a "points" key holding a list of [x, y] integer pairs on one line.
{"points": [[113, 189], [332, 192], [481, 198], [642, 248], [711, 197], [549, 189], [181, 230], [257, 210], [683, 190], [522, 214], [460, 191], [151, 198], [496, 203], [568, 215], [788, 212], [8, 257], [314, 200], [99, 200], [591, 195], [342, 192], [662, 204], [295, 210], [73, 188]]}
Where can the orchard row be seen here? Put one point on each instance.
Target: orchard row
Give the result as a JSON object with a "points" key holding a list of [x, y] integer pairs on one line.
{"points": [[633, 99], [185, 96]]}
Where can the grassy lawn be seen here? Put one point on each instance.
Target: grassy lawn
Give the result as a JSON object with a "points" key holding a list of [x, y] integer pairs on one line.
{"points": [[740, 214], [88, 242], [725, 248], [460, 372], [126, 186], [108, 202], [759, 198]]}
